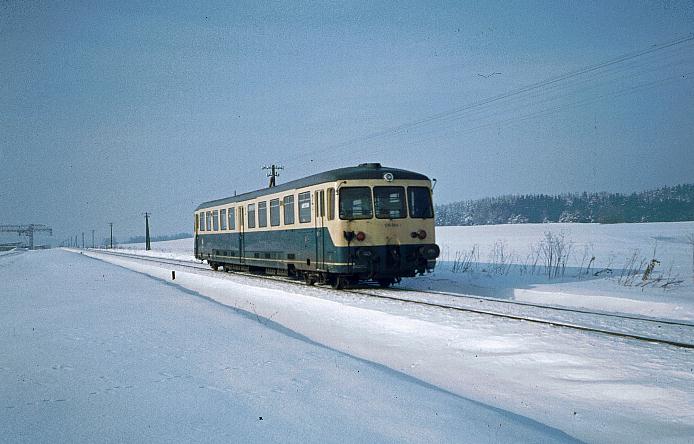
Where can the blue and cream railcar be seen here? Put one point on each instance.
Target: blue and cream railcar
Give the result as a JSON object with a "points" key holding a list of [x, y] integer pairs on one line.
{"points": [[342, 226]]}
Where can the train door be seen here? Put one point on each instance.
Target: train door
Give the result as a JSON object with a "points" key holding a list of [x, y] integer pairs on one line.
{"points": [[242, 225], [319, 199], [197, 236]]}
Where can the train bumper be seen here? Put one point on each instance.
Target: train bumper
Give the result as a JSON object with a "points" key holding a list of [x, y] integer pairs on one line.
{"points": [[392, 261]]}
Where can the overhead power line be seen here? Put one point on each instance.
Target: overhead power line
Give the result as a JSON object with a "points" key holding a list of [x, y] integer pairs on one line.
{"points": [[550, 82]]}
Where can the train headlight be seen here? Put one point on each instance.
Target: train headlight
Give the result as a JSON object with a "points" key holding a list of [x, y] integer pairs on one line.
{"points": [[421, 234], [361, 236]]}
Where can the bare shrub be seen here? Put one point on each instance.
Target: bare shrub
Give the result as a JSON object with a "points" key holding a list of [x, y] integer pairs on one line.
{"points": [[665, 280], [632, 268], [588, 256], [465, 261], [555, 251], [641, 272], [500, 260]]}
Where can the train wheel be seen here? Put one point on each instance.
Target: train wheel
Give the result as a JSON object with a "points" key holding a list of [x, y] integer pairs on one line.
{"points": [[309, 279], [214, 266], [385, 283], [339, 282]]}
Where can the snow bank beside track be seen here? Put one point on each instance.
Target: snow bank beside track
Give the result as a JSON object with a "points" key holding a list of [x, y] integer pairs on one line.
{"points": [[589, 386]]}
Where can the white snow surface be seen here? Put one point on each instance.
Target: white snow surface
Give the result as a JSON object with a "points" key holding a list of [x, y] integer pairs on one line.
{"points": [[611, 245], [593, 387], [484, 378], [91, 352]]}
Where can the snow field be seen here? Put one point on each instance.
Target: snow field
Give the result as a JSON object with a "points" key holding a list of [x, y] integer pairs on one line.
{"points": [[612, 246], [96, 353], [587, 385]]}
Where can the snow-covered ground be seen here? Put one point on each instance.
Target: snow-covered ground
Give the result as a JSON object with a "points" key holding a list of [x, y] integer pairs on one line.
{"points": [[91, 352], [542, 382], [593, 387], [612, 246]]}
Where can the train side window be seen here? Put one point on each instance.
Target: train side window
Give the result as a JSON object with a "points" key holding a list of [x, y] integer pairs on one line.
{"points": [[288, 210], [262, 214], [232, 221], [251, 215], [389, 202], [223, 218], [419, 200], [305, 207], [331, 203], [202, 221], [215, 220], [355, 203], [274, 212], [209, 220]]}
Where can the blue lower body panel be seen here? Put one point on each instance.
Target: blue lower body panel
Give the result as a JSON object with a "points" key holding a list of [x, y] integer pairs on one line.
{"points": [[312, 250]]}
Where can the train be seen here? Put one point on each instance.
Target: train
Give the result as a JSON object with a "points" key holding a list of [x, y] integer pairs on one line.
{"points": [[365, 223]]}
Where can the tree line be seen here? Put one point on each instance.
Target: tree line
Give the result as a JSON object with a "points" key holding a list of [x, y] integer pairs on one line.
{"points": [[666, 204]]}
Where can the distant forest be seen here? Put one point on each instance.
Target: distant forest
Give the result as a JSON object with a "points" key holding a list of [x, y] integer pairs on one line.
{"points": [[667, 204]]}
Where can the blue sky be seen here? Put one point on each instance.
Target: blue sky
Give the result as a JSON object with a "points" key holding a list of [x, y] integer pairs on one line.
{"points": [[110, 109]]}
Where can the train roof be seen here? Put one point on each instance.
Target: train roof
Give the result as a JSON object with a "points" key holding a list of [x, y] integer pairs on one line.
{"points": [[363, 171]]}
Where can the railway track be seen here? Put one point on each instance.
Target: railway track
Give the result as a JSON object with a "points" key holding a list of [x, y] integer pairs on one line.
{"points": [[670, 332]]}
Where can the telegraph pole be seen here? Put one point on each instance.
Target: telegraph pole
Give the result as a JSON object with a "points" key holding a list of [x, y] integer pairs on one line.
{"points": [[92, 238], [83, 240], [273, 173], [147, 245], [111, 224]]}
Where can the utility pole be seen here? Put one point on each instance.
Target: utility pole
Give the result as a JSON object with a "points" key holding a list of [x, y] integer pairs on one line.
{"points": [[83, 240], [92, 238], [111, 224], [273, 173], [147, 245]]}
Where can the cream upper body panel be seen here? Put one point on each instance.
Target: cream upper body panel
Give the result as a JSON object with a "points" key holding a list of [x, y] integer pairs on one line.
{"points": [[378, 231]]}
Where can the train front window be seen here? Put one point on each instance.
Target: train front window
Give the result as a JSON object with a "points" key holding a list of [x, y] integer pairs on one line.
{"points": [[355, 203], [419, 199], [202, 221], [389, 202]]}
